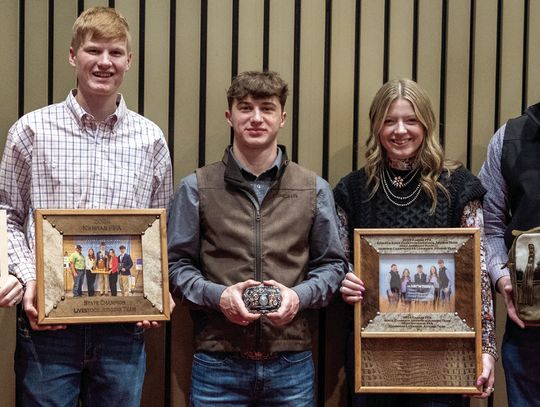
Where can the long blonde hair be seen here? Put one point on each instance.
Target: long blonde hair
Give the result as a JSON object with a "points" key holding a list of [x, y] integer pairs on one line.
{"points": [[430, 157]]}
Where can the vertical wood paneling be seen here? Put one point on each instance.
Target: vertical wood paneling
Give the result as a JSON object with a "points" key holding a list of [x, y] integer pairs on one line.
{"points": [[457, 80], [186, 111], [35, 55], [93, 3], [330, 94], [296, 78], [525, 56], [401, 39], [484, 80], [443, 69], [141, 51], [342, 91], [512, 54], [429, 49], [327, 83], [130, 86], [157, 74], [250, 36], [185, 160], [371, 64], [219, 77], [312, 85], [356, 83], [9, 51], [280, 56], [533, 91], [470, 78], [7, 337], [65, 13], [156, 108]]}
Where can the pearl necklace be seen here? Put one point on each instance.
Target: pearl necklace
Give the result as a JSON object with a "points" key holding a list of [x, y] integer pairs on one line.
{"points": [[399, 200]]}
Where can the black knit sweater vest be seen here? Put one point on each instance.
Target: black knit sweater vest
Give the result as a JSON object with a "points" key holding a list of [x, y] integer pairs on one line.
{"points": [[352, 195]]}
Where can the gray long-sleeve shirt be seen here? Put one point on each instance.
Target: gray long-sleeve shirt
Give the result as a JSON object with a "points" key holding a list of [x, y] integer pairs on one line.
{"points": [[496, 208]]}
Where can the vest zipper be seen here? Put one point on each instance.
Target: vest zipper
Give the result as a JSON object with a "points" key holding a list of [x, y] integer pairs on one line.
{"points": [[258, 268], [258, 257]]}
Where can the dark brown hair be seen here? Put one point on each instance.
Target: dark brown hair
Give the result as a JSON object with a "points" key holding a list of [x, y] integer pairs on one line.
{"points": [[258, 85]]}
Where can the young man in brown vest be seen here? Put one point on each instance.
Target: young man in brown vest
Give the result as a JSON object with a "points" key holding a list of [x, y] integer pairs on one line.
{"points": [[254, 218]]}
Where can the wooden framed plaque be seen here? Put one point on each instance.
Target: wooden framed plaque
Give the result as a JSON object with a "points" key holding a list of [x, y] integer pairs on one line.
{"points": [[3, 248], [418, 329], [97, 266]]}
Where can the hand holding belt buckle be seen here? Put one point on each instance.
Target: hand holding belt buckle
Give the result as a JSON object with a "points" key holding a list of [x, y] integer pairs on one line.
{"points": [[262, 299]]}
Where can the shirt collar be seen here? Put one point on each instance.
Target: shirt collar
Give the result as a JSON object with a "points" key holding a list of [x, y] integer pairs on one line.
{"points": [[85, 119], [270, 173]]}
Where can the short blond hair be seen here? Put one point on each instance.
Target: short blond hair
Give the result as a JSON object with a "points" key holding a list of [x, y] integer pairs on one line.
{"points": [[100, 23]]}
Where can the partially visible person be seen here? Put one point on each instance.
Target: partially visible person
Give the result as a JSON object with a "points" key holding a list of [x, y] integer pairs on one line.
{"points": [[420, 277], [90, 266], [511, 175], [102, 269], [113, 272], [433, 279], [67, 272], [405, 280], [444, 281], [408, 183], [124, 267], [393, 284], [87, 152], [77, 266]]}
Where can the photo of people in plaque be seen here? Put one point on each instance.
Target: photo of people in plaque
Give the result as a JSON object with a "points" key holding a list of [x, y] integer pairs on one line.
{"points": [[103, 266], [416, 283]]}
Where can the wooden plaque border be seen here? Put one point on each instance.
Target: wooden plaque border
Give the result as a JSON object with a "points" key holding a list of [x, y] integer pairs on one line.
{"points": [[387, 347], [54, 307]]}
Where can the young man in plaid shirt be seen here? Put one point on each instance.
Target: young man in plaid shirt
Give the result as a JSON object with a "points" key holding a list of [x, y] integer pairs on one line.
{"points": [[88, 151]]}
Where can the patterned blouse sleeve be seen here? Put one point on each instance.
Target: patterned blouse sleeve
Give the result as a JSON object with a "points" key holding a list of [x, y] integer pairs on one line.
{"points": [[473, 217], [343, 229]]}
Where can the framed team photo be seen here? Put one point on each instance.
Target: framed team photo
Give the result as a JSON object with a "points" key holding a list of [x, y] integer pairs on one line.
{"points": [[97, 266], [418, 328]]}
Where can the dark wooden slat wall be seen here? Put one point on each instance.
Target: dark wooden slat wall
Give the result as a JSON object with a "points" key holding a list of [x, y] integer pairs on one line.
{"points": [[474, 57]]}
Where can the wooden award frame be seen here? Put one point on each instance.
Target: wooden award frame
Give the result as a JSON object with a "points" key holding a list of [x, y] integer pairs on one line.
{"points": [[142, 231], [418, 341]]}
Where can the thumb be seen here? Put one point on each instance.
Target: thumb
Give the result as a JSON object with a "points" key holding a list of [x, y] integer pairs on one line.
{"points": [[249, 283], [483, 378]]}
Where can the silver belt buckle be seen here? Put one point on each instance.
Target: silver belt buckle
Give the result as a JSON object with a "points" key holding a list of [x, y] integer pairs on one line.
{"points": [[262, 299]]}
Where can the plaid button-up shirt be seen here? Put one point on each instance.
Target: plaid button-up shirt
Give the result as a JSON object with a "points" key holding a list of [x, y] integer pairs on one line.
{"points": [[60, 157]]}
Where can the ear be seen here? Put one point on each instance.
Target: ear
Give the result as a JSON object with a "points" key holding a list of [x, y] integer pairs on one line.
{"points": [[72, 57], [128, 61], [283, 119], [228, 117]]}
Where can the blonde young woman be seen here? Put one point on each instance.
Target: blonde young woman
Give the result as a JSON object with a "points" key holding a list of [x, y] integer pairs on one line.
{"points": [[407, 182]]}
